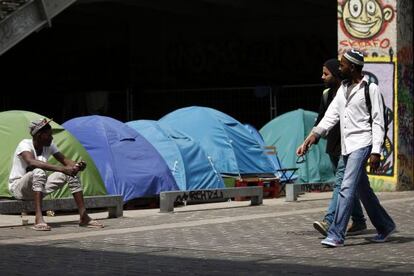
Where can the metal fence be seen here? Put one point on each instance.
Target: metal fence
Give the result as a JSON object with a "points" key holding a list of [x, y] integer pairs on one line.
{"points": [[253, 105], [290, 97]]}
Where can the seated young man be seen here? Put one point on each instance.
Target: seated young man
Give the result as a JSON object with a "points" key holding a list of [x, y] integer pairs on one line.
{"points": [[28, 178]]}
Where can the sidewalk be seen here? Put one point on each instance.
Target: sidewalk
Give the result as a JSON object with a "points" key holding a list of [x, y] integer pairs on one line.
{"points": [[230, 238], [16, 220]]}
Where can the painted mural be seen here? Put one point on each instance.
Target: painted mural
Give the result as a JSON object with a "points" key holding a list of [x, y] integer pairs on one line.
{"points": [[383, 73], [383, 30], [368, 25]]}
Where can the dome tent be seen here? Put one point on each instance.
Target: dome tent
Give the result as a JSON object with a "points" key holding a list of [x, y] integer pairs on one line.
{"points": [[129, 164], [187, 161], [225, 140], [286, 132], [14, 128]]}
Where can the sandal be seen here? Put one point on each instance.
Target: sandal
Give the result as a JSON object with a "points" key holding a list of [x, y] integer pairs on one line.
{"points": [[41, 227], [91, 224]]}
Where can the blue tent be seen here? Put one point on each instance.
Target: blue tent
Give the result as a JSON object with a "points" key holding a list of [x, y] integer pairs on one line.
{"points": [[225, 140], [274, 159], [188, 162], [129, 164]]}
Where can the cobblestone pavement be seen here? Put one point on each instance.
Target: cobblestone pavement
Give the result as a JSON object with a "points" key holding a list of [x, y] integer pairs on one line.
{"points": [[272, 239]]}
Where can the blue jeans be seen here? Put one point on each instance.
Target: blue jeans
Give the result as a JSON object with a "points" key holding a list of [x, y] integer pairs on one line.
{"points": [[356, 181], [357, 213]]}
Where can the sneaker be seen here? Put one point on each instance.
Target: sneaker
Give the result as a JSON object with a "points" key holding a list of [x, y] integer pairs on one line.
{"points": [[332, 243], [356, 229], [381, 237], [322, 227]]}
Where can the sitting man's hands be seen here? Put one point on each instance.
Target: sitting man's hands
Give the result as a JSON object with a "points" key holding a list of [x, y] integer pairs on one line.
{"points": [[73, 170], [70, 170], [81, 165]]}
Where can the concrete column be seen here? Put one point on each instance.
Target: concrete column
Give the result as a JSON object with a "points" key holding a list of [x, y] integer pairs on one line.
{"points": [[383, 30], [405, 157]]}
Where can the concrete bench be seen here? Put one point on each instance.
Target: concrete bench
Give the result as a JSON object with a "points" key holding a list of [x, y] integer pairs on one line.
{"points": [[294, 189], [167, 199], [114, 203]]}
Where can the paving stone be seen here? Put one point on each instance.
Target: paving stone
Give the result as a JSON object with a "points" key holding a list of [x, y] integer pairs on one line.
{"points": [[261, 240]]}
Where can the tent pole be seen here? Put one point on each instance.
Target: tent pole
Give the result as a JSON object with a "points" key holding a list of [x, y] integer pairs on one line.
{"points": [[272, 102]]}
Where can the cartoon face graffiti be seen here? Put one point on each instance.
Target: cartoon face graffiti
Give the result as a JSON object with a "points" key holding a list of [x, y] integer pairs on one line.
{"points": [[364, 19]]}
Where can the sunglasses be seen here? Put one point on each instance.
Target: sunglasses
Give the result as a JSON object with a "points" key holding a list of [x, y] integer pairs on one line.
{"points": [[301, 159]]}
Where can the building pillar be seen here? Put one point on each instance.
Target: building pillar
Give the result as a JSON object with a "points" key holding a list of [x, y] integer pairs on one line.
{"points": [[405, 157], [383, 30]]}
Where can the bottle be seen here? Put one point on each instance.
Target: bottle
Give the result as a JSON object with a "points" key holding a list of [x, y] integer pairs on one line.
{"points": [[25, 219]]}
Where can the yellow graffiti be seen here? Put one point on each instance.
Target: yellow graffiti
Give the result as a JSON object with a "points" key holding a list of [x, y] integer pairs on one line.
{"points": [[381, 185], [364, 19], [383, 182]]}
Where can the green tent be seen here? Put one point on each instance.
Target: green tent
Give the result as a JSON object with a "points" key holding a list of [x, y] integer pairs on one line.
{"points": [[14, 127], [286, 133]]}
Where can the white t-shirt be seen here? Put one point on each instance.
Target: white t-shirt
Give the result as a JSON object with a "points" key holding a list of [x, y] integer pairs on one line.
{"points": [[19, 165]]}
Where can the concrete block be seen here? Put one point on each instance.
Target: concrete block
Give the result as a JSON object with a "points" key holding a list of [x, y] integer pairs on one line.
{"points": [[292, 191], [114, 203], [167, 199]]}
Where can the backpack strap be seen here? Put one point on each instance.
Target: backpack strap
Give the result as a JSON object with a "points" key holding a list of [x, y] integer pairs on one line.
{"points": [[368, 101]]}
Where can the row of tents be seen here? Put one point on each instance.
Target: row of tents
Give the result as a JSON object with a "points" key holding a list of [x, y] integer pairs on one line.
{"points": [[188, 149]]}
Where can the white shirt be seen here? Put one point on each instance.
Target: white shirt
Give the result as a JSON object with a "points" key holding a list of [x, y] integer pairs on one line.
{"points": [[353, 114], [19, 165]]}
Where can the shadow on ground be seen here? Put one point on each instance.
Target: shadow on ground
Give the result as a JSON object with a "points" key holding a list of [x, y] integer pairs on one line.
{"points": [[60, 259]]}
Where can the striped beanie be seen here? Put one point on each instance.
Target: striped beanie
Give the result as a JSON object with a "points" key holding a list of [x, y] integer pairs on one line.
{"points": [[355, 57]]}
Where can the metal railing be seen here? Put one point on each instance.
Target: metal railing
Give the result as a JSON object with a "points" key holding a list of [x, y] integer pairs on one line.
{"points": [[254, 105]]}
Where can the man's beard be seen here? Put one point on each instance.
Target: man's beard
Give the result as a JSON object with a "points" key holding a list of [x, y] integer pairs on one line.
{"points": [[330, 84], [343, 75]]}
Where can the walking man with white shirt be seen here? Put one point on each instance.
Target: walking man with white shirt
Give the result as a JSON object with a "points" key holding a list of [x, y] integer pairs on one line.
{"points": [[361, 139], [331, 76]]}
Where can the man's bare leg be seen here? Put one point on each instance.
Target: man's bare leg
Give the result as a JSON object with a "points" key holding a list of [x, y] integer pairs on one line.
{"points": [[39, 221], [78, 196], [84, 218]]}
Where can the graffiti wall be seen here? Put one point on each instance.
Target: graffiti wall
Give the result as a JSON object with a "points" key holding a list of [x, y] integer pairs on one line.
{"points": [[383, 30], [369, 25], [405, 95], [382, 71], [383, 74]]}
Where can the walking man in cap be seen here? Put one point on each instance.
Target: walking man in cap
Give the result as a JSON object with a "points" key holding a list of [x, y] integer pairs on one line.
{"points": [[28, 178], [332, 80], [360, 140]]}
